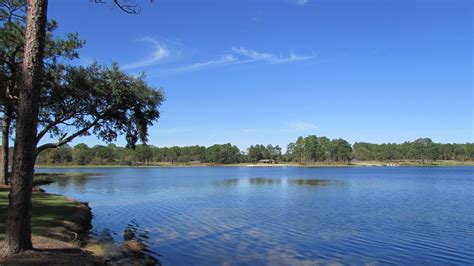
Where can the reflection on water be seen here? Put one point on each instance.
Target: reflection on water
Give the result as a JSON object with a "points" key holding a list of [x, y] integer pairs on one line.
{"points": [[264, 181], [272, 181], [283, 216], [77, 180], [229, 182], [133, 250], [313, 182]]}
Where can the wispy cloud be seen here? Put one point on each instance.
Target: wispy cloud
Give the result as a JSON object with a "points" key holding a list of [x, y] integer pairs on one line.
{"points": [[235, 56], [252, 54], [222, 61], [302, 2], [301, 126], [160, 52], [268, 57]]}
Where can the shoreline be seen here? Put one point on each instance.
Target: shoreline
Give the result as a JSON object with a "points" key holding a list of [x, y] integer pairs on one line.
{"points": [[447, 163], [60, 231]]}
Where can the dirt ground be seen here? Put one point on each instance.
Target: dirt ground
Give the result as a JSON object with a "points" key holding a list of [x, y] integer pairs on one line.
{"points": [[50, 252]]}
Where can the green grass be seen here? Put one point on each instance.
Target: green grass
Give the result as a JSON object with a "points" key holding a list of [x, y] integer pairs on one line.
{"points": [[85, 166], [43, 179], [48, 212], [48, 178]]}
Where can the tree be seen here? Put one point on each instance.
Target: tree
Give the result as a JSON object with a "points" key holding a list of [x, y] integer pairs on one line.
{"points": [[18, 224], [143, 154], [61, 156], [276, 152], [174, 153], [290, 152], [223, 153], [80, 154], [12, 41], [299, 149], [255, 153], [324, 153], [342, 150], [10, 45], [96, 100], [311, 148]]}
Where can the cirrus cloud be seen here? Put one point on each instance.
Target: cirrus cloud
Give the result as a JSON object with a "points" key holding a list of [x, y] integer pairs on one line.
{"points": [[160, 53], [268, 57]]}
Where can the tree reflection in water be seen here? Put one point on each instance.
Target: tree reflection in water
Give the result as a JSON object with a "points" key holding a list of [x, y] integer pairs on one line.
{"points": [[313, 182]]}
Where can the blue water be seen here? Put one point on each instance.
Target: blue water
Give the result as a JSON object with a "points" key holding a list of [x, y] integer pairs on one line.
{"points": [[285, 216]]}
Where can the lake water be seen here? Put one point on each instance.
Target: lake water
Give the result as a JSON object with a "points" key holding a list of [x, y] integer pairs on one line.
{"points": [[285, 216]]}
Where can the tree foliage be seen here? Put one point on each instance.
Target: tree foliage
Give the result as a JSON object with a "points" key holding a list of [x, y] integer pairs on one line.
{"points": [[319, 149], [259, 152], [74, 101], [26, 108], [423, 149], [12, 42], [323, 150], [97, 100]]}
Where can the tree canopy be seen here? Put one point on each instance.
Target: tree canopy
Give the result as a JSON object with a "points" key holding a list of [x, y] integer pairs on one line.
{"points": [[24, 110], [74, 100], [97, 100], [324, 150]]}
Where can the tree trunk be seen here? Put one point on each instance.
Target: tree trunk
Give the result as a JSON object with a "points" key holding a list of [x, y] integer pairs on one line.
{"points": [[18, 224], [6, 144]]}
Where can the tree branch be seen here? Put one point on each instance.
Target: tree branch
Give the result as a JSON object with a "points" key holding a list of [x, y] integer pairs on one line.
{"points": [[130, 9], [133, 9], [46, 129], [63, 140]]}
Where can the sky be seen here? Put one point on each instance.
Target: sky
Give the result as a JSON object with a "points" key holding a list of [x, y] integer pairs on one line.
{"points": [[259, 72]]}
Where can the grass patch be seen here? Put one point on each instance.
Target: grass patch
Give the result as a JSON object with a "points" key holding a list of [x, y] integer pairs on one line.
{"points": [[84, 166], [43, 179], [53, 216]]}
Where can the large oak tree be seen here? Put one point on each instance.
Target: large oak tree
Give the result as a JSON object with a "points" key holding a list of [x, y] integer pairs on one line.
{"points": [[96, 100]]}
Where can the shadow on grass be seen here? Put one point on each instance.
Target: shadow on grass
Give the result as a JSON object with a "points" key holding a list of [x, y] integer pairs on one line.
{"points": [[53, 216]]}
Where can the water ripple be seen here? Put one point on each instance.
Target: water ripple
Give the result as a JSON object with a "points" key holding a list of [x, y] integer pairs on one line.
{"points": [[293, 216]]}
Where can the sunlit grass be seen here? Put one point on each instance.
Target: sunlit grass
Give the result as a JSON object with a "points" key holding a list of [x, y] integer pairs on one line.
{"points": [[48, 212]]}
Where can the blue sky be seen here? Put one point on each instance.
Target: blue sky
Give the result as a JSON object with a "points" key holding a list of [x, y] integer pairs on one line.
{"points": [[249, 72]]}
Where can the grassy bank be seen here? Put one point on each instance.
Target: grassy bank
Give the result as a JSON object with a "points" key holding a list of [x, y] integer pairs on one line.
{"points": [[59, 228], [40, 166]]}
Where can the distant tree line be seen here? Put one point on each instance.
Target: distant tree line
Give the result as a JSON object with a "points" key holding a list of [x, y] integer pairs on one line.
{"points": [[423, 149], [305, 150], [142, 154]]}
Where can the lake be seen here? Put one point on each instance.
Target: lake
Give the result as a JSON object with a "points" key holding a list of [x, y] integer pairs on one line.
{"points": [[284, 216]]}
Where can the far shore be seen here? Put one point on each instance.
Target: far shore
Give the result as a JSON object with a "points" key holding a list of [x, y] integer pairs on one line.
{"points": [[282, 164]]}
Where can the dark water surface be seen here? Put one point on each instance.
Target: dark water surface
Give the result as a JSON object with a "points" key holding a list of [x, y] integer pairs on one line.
{"points": [[285, 216]]}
